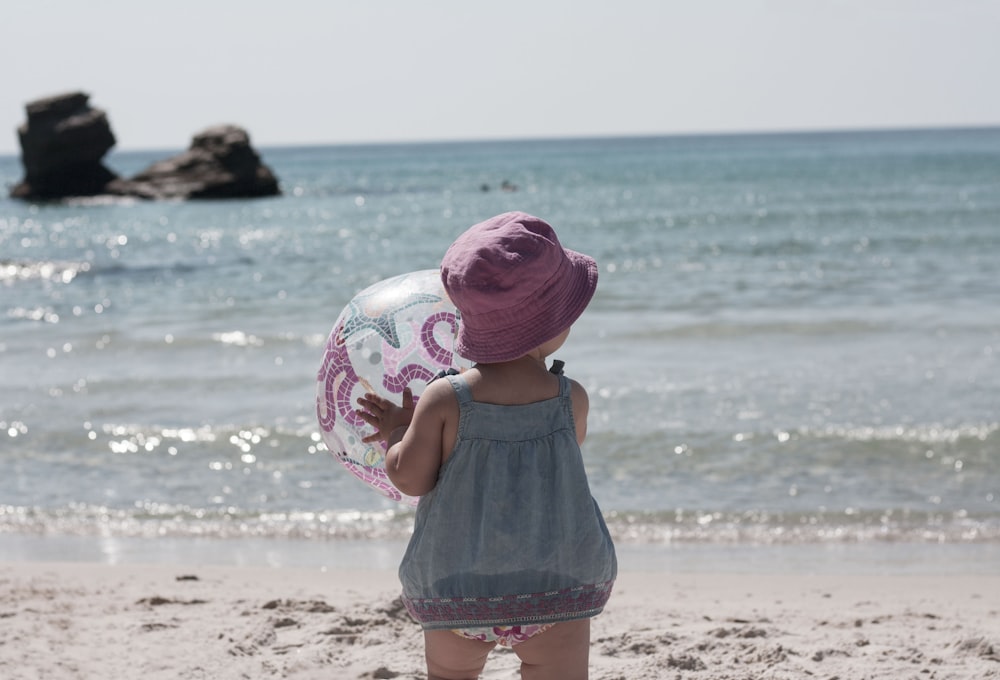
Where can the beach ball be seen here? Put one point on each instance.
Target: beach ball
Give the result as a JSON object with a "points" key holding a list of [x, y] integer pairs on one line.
{"points": [[397, 333]]}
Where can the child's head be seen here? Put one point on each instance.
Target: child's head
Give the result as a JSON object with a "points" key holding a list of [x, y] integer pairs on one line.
{"points": [[515, 286]]}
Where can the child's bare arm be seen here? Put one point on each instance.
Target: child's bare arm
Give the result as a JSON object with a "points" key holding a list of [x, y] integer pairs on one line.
{"points": [[415, 453]]}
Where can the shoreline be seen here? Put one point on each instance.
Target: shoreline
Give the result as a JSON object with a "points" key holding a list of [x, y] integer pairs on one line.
{"points": [[72, 619], [880, 558]]}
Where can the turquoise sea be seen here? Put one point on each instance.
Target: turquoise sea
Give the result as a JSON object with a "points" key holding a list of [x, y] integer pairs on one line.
{"points": [[793, 350]]}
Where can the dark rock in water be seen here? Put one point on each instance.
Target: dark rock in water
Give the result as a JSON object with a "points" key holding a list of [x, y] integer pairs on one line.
{"points": [[64, 141], [219, 164], [62, 144]]}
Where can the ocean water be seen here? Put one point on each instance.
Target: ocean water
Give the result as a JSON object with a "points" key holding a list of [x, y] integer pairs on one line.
{"points": [[794, 343]]}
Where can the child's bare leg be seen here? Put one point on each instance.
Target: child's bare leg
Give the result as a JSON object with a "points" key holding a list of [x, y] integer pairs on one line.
{"points": [[560, 653], [453, 657]]}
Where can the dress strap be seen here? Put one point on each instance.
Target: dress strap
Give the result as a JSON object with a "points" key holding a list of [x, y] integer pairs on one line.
{"points": [[461, 388], [564, 386]]}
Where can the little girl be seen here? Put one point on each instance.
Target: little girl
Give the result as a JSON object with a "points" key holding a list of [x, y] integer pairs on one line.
{"points": [[508, 546]]}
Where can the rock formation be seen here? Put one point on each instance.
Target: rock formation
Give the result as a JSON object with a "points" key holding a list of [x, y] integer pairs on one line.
{"points": [[64, 141], [219, 164], [62, 144]]}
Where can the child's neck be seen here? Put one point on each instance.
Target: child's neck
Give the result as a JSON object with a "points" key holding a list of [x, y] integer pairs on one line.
{"points": [[530, 362]]}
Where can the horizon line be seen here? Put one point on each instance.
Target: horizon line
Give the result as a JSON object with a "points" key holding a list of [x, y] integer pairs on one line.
{"points": [[578, 137]]}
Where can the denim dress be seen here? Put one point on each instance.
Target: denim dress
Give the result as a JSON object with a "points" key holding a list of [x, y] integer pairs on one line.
{"points": [[510, 535]]}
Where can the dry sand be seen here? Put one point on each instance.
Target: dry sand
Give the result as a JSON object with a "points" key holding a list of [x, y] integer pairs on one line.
{"points": [[78, 620]]}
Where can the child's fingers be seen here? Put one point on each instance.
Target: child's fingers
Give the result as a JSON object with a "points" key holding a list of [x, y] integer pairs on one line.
{"points": [[372, 402]]}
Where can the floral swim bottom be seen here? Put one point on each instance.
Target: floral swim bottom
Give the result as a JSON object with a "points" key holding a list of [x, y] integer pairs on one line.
{"points": [[506, 636]]}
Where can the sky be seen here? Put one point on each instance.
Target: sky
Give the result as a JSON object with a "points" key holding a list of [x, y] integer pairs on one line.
{"points": [[359, 71]]}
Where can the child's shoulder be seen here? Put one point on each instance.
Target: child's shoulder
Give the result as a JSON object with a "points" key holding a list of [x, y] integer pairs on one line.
{"points": [[577, 392], [439, 390], [438, 401]]}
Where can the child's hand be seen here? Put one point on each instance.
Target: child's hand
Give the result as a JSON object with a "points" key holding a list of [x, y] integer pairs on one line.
{"points": [[384, 415]]}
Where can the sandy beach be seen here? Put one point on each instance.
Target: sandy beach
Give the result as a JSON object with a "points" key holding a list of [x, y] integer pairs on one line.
{"points": [[86, 620]]}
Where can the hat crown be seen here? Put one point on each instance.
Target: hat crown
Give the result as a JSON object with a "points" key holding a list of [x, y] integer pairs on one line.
{"points": [[501, 263]]}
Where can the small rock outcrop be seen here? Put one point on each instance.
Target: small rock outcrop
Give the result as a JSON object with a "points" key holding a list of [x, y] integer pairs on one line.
{"points": [[64, 141], [219, 164], [62, 144]]}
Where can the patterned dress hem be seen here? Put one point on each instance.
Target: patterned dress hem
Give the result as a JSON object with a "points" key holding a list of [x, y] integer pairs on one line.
{"points": [[558, 606]]}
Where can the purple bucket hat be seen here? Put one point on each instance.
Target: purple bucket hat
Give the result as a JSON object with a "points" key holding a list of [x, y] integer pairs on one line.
{"points": [[515, 286]]}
